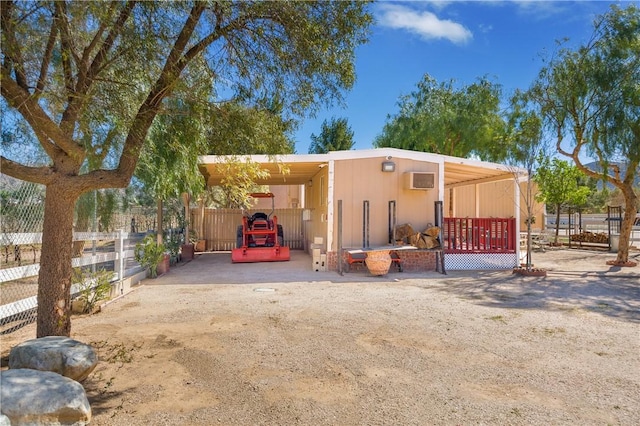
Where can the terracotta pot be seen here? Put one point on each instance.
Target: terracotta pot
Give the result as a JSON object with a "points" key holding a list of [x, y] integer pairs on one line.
{"points": [[378, 262], [201, 245]]}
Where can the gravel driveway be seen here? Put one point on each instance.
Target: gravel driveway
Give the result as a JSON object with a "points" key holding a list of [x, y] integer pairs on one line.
{"points": [[201, 348]]}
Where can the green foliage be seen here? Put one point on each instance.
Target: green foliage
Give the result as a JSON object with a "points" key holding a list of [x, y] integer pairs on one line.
{"points": [[443, 119], [93, 287], [168, 165], [559, 183], [559, 186], [173, 243], [590, 100], [149, 253], [335, 135], [239, 181], [88, 79], [236, 129]]}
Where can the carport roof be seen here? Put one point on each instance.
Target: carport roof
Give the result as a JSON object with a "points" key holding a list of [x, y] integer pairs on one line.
{"points": [[294, 169]]}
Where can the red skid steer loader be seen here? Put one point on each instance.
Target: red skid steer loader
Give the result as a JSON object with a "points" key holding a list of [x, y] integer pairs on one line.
{"points": [[260, 238]]}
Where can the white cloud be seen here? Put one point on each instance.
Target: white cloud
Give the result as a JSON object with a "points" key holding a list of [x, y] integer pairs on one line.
{"points": [[423, 23]]}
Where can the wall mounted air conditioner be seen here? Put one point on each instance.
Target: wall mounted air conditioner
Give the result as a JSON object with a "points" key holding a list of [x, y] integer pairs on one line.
{"points": [[419, 180]]}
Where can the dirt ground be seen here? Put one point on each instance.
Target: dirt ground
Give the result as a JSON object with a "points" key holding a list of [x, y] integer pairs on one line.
{"points": [[254, 344]]}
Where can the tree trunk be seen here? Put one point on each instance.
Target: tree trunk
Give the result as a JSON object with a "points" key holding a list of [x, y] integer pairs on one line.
{"points": [[160, 233], [54, 279], [630, 201], [555, 241]]}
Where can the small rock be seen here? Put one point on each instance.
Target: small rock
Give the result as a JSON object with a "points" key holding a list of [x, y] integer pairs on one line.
{"points": [[59, 354], [32, 397]]}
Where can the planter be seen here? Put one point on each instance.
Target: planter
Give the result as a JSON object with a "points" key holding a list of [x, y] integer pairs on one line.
{"points": [[164, 264], [187, 251], [533, 272], [378, 262], [201, 245]]}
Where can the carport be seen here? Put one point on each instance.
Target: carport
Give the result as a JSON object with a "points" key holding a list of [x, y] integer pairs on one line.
{"points": [[378, 179]]}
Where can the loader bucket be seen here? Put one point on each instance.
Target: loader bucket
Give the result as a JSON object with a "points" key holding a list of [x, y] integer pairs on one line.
{"points": [[260, 254]]}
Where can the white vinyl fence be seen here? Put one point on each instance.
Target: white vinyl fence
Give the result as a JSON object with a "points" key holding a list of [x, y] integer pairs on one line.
{"points": [[18, 277]]}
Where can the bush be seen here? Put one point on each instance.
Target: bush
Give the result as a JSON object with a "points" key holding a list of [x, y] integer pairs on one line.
{"points": [[94, 287], [149, 253]]}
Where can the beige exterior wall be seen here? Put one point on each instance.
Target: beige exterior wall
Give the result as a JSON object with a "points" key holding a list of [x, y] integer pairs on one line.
{"points": [[493, 199], [363, 179], [497, 199], [286, 197], [538, 209]]}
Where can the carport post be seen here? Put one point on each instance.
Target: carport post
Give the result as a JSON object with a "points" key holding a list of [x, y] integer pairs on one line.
{"points": [[392, 222], [340, 237], [365, 224]]}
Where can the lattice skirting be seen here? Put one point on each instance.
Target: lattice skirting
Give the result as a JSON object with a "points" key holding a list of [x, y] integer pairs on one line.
{"points": [[479, 261]]}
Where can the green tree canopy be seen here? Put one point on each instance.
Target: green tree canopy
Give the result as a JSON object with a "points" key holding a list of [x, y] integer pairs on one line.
{"points": [[560, 186], [75, 71], [443, 119], [590, 101], [335, 135]]}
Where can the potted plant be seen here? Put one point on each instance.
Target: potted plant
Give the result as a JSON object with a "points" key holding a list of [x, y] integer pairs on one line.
{"points": [[188, 248], [150, 255], [173, 247]]}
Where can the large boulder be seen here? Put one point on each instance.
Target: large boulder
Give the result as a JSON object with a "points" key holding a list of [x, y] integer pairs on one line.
{"points": [[32, 397], [62, 355]]}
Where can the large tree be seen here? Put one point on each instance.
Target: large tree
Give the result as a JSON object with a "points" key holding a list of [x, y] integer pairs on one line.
{"points": [[590, 99], [70, 69], [444, 119], [335, 135]]}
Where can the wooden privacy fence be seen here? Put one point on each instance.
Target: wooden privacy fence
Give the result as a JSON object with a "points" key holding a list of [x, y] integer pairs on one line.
{"points": [[220, 226]]}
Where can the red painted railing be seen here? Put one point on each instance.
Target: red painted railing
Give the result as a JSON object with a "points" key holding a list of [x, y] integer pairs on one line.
{"points": [[479, 235]]}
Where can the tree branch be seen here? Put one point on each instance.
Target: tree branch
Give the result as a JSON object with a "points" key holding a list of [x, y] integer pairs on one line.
{"points": [[66, 52], [46, 59], [47, 131], [13, 55], [42, 175], [85, 81], [148, 110]]}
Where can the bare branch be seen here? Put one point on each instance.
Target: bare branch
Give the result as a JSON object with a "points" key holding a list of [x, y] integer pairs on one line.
{"points": [[46, 58], [13, 55], [85, 81], [47, 131], [60, 20], [42, 175]]}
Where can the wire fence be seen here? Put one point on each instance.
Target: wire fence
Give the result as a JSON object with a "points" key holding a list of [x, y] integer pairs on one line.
{"points": [[96, 246]]}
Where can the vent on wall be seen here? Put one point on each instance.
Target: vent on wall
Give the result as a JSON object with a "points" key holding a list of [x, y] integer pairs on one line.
{"points": [[419, 180]]}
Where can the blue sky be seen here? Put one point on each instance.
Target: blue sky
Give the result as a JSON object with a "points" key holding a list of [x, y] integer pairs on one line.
{"points": [[460, 40]]}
